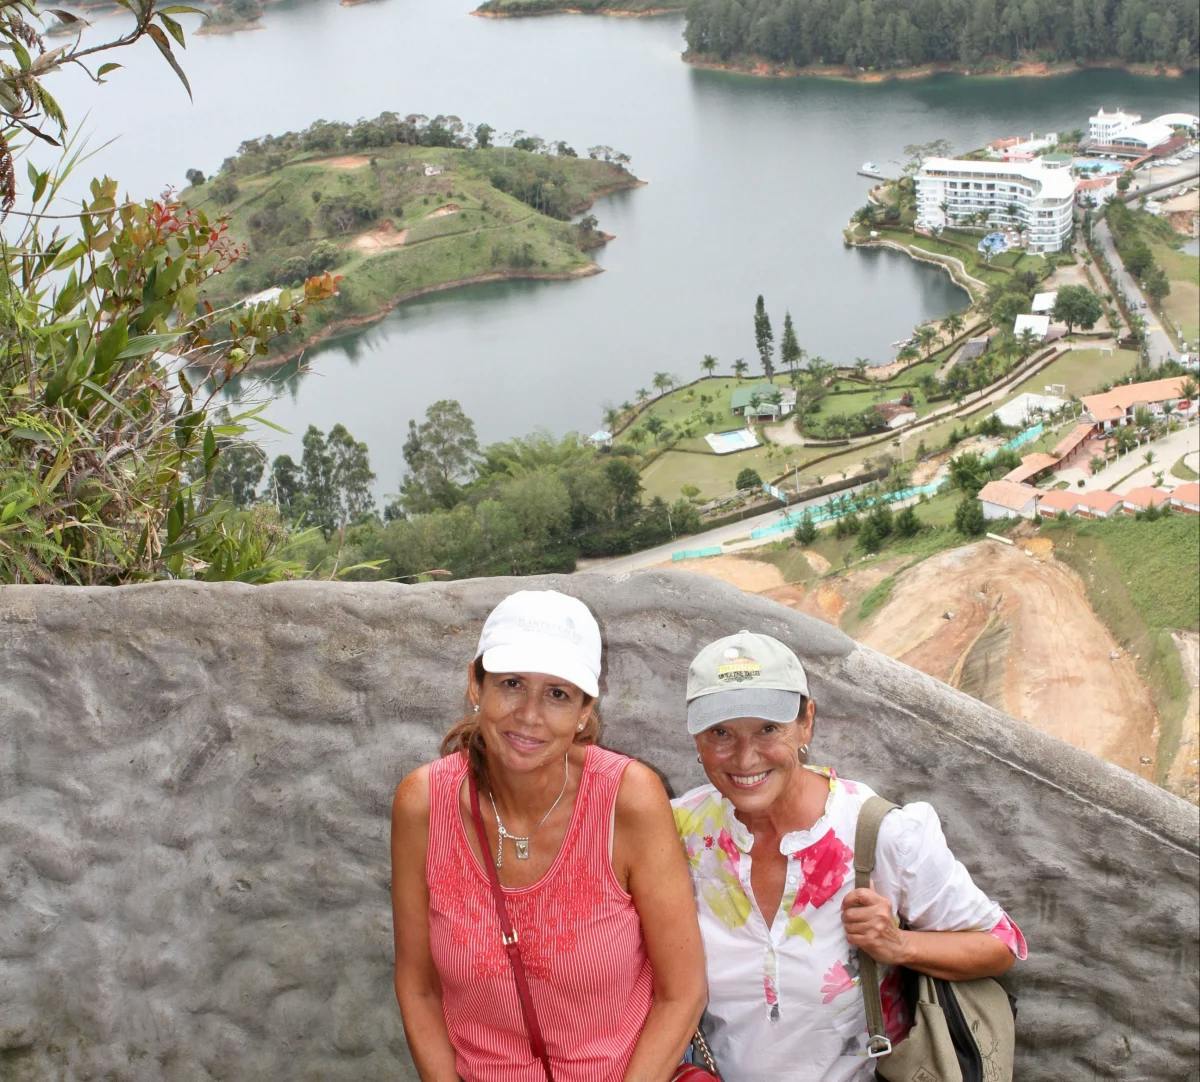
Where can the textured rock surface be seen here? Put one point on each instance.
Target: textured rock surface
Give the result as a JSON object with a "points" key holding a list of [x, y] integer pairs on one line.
{"points": [[194, 792]]}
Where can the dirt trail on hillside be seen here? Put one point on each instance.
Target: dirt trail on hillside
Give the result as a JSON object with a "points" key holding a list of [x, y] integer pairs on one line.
{"points": [[1017, 632], [347, 161]]}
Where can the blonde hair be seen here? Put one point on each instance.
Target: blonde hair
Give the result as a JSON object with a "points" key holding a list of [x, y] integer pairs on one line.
{"points": [[465, 735]]}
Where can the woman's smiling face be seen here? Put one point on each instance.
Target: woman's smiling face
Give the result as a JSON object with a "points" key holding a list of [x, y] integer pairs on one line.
{"points": [[527, 719], [753, 762]]}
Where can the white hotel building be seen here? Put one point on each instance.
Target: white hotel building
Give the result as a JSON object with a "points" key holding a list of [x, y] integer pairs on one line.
{"points": [[1038, 196]]}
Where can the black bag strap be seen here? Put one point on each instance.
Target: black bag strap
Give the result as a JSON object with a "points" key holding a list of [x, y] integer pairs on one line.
{"points": [[866, 834]]}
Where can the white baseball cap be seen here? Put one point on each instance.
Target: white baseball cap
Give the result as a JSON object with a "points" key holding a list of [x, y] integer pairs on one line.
{"points": [[543, 631], [744, 676]]}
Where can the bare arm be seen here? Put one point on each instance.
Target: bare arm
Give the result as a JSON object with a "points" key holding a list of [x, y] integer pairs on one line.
{"points": [[954, 956], [418, 990], [646, 846]]}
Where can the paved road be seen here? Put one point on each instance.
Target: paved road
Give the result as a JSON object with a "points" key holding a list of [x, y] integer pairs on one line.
{"points": [[1158, 345], [1124, 474], [1137, 189]]}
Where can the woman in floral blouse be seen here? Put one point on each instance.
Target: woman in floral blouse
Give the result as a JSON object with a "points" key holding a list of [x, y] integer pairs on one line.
{"points": [[770, 843]]}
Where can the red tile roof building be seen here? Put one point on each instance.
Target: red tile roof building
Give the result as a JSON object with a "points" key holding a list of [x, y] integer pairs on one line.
{"points": [[1119, 405]]}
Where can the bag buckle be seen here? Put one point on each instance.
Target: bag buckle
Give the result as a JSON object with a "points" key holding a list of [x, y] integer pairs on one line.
{"points": [[878, 1046], [510, 940]]}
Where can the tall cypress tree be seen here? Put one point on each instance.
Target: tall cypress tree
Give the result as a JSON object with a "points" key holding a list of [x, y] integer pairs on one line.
{"points": [[789, 348], [764, 337]]}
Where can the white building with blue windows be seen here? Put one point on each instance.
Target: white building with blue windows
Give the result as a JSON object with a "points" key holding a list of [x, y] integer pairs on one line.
{"points": [[1035, 198]]}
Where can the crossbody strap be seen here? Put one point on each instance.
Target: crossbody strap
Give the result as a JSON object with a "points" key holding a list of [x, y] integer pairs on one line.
{"points": [[870, 815], [508, 935]]}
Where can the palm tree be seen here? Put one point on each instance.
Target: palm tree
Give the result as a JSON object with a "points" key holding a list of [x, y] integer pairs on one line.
{"points": [[953, 324], [908, 352], [740, 367], [662, 380], [642, 394], [925, 336], [861, 364], [1026, 343], [637, 436], [709, 364], [819, 369], [611, 416]]}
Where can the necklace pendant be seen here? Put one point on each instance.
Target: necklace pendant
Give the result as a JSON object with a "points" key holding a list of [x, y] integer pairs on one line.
{"points": [[522, 846]]}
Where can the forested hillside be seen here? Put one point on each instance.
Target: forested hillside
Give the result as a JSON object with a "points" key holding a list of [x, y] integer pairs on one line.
{"points": [[876, 34]]}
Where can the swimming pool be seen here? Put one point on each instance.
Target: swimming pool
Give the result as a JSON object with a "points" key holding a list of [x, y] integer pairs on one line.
{"points": [[725, 443], [1097, 165]]}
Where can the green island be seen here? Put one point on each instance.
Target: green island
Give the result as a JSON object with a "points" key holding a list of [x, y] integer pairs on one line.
{"points": [[505, 9], [396, 208], [879, 39]]}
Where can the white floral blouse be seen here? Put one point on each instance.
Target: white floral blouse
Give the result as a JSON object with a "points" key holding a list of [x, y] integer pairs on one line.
{"points": [[784, 1002]]}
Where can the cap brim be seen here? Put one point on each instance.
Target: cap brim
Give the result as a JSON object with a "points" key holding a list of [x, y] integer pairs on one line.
{"points": [[769, 704], [546, 656]]}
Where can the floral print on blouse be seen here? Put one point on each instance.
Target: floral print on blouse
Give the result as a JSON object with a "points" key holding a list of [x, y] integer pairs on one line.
{"points": [[784, 1000]]}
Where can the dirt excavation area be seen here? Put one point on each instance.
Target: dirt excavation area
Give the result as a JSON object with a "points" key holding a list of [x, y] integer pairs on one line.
{"points": [[1008, 625], [751, 576], [1017, 631], [383, 236]]}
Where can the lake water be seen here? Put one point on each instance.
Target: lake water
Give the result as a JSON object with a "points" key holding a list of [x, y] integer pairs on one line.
{"points": [[750, 184]]}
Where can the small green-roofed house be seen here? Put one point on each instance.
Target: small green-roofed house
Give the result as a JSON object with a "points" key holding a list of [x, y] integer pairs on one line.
{"points": [[739, 401]]}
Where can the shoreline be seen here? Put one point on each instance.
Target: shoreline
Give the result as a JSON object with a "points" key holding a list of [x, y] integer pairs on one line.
{"points": [[614, 13], [349, 323], [952, 265], [766, 69]]}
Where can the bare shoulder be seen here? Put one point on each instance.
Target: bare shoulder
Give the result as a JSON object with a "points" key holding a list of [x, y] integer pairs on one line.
{"points": [[641, 792], [410, 803]]}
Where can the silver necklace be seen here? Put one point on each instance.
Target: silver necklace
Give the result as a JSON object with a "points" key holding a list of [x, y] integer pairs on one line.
{"points": [[522, 844]]}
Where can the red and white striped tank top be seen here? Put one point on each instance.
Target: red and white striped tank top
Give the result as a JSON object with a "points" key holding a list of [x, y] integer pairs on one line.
{"points": [[581, 942]]}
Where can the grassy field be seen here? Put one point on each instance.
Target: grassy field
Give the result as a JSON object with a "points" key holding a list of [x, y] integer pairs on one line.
{"points": [[1081, 371], [713, 475], [1183, 471], [1182, 304], [1142, 580], [390, 230]]}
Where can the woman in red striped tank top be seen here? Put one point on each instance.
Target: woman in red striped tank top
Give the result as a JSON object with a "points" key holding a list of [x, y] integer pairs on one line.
{"points": [[593, 877]]}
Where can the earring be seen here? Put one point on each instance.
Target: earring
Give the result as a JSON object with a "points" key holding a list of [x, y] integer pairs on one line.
{"points": [[802, 753], [698, 759], [579, 727], [474, 708]]}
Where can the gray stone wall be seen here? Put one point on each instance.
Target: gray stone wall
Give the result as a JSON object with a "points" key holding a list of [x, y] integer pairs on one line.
{"points": [[194, 793]]}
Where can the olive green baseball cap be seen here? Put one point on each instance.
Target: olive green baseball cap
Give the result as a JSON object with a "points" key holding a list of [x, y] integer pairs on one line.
{"points": [[746, 675]]}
